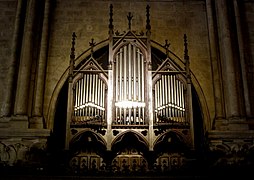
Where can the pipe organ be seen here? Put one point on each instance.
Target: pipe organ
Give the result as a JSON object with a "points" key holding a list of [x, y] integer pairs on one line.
{"points": [[129, 86], [134, 89], [89, 99], [125, 101], [169, 100]]}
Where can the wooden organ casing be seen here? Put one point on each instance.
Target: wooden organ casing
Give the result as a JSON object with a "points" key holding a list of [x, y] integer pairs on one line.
{"points": [[130, 93]]}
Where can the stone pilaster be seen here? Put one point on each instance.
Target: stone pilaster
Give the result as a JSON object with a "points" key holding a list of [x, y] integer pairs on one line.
{"points": [[234, 118], [216, 68], [37, 111], [23, 81], [248, 111], [6, 108]]}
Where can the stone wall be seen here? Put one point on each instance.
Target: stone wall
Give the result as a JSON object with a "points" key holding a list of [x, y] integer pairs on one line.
{"points": [[7, 25]]}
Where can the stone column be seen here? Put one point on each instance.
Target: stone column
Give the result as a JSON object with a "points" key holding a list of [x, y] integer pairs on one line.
{"points": [[23, 81], [37, 111], [248, 111], [216, 68], [231, 94], [8, 98]]}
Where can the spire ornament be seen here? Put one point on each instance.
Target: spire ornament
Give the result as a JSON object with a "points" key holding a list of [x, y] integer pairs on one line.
{"points": [[186, 58], [92, 44], [166, 46], [111, 26], [72, 57], [129, 17], [148, 26]]}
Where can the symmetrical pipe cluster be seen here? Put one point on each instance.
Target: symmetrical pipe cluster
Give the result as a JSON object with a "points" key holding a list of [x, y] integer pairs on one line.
{"points": [[89, 98], [129, 86], [169, 99]]}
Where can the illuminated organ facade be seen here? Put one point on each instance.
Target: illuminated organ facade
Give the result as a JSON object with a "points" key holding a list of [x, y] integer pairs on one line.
{"points": [[129, 102], [138, 109]]}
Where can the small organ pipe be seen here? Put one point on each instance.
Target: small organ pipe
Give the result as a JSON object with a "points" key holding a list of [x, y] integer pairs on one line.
{"points": [[120, 76], [169, 96], [99, 95], [142, 75], [134, 73], [130, 69], [96, 93], [162, 94], [125, 80], [155, 100], [166, 95]]}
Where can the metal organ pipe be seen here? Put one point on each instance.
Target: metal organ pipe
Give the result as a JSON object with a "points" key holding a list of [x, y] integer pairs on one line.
{"points": [[129, 57], [142, 86], [120, 90], [81, 98], [177, 100], [99, 97], [156, 102], [169, 96], [96, 94], [87, 95], [134, 83], [139, 84], [125, 81], [117, 84], [166, 94]]}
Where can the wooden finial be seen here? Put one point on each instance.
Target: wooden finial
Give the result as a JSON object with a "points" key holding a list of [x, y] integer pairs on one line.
{"points": [[186, 58], [148, 26], [92, 44], [166, 47], [72, 56], [111, 17], [129, 17]]}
